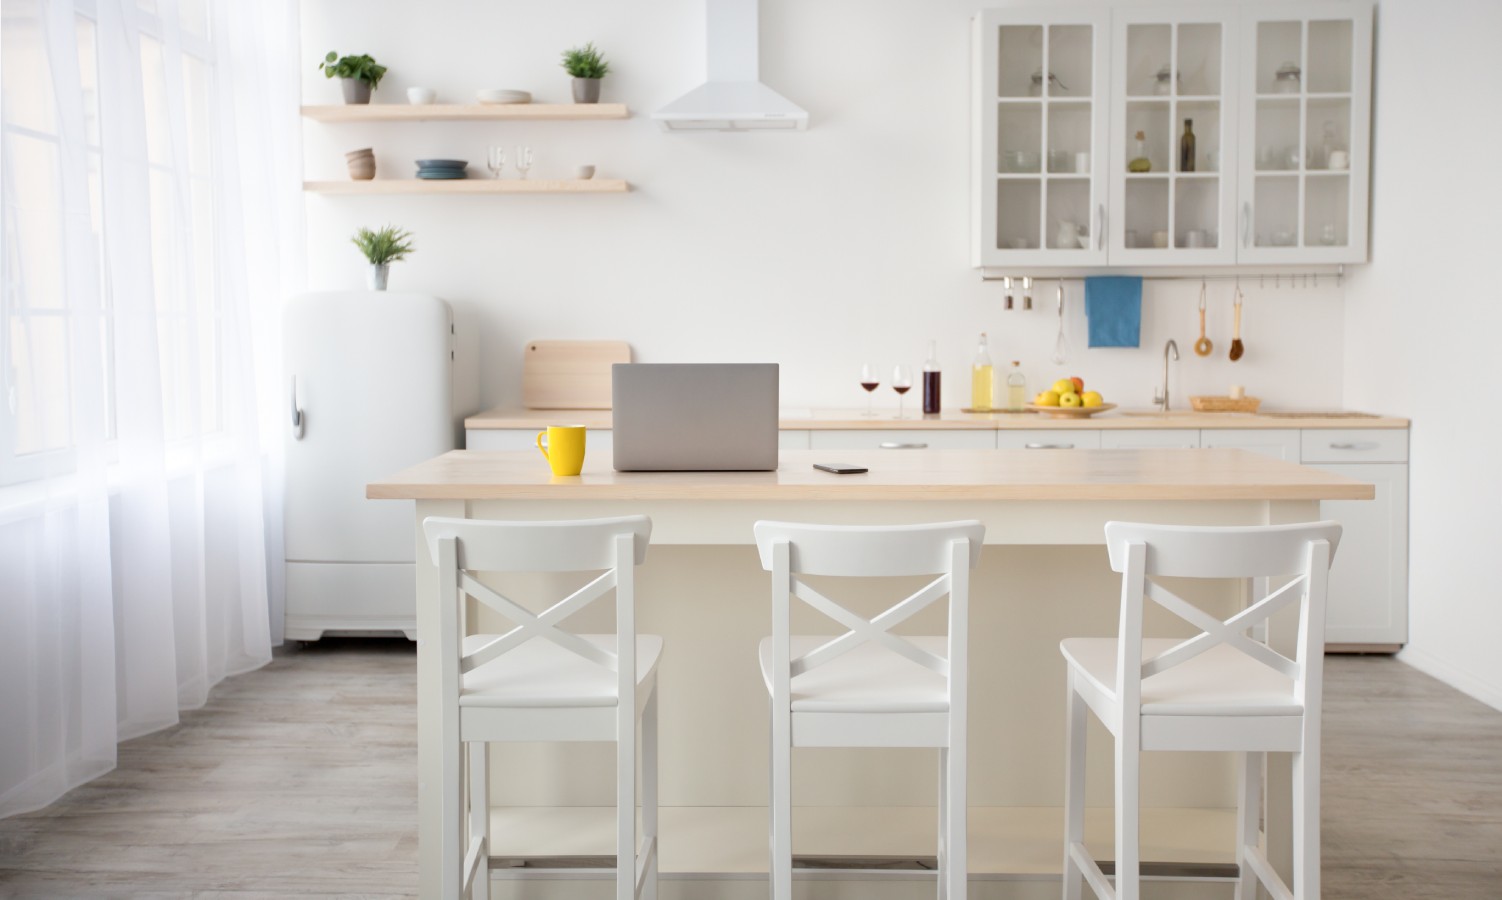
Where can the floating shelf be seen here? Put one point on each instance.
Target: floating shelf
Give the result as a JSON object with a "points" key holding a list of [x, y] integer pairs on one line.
{"points": [[469, 186], [466, 112]]}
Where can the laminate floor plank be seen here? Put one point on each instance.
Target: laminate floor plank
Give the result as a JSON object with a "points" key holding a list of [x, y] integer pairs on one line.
{"points": [[299, 780]]}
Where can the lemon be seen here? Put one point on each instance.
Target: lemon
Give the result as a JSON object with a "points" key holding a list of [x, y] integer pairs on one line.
{"points": [[1070, 399], [1091, 398], [1064, 386], [1047, 398]]}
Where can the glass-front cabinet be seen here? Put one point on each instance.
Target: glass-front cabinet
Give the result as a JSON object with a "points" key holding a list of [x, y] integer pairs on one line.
{"points": [[1172, 139], [1041, 96], [1306, 70], [1186, 135]]}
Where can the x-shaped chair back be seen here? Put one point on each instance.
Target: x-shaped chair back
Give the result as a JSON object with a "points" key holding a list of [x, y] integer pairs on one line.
{"points": [[1301, 553]]}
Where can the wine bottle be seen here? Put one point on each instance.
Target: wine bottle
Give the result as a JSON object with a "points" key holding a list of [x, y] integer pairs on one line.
{"points": [[1186, 147], [981, 378], [1140, 162], [931, 380]]}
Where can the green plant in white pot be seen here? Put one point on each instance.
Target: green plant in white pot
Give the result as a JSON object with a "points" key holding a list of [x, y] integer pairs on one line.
{"points": [[587, 67], [358, 75], [381, 249]]}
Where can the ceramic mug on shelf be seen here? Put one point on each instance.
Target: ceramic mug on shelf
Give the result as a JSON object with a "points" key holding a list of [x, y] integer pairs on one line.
{"points": [[1195, 238], [563, 449], [421, 96], [1160, 239], [1340, 159]]}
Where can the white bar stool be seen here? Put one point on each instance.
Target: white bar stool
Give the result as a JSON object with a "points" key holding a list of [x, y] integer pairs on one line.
{"points": [[538, 682], [1217, 691], [869, 687]]}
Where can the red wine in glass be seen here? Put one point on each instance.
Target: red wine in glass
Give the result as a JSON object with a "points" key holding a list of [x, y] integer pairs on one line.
{"points": [[902, 382], [870, 382]]}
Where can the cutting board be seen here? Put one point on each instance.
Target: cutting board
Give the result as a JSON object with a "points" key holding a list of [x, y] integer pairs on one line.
{"points": [[570, 374]]}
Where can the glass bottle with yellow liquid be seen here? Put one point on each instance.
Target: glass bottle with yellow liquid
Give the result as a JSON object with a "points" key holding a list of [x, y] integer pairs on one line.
{"points": [[981, 381], [1016, 388]]}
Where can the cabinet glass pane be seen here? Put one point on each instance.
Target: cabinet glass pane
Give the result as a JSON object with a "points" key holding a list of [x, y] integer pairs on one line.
{"points": [[1147, 211], [1148, 51], [1199, 59], [1275, 212], [1277, 139], [1205, 114], [1329, 57], [1017, 213], [1020, 57], [1068, 225], [1069, 138], [1327, 210], [1279, 46], [1196, 212], [1070, 53], [1019, 137], [1328, 134], [1151, 119]]}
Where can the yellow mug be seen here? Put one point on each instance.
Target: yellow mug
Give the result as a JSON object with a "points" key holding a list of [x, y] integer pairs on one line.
{"points": [[564, 449]]}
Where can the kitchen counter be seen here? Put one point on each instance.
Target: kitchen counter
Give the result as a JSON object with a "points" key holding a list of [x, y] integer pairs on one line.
{"points": [[792, 419]]}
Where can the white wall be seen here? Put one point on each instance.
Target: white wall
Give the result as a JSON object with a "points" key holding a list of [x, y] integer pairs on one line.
{"points": [[1425, 316], [822, 250]]}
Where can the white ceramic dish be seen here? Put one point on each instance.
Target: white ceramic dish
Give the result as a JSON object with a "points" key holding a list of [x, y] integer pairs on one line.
{"points": [[498, 96]]}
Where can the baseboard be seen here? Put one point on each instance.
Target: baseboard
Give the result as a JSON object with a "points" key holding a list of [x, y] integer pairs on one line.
{"points": [[1460, 680]]}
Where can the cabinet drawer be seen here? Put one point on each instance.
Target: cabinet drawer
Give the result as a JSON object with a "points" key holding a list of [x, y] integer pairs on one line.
{"points": [[795, 439], [1049, 439], [1137, 438], [895, 439], [1355, 445], [1279, 443], [595, 439]]}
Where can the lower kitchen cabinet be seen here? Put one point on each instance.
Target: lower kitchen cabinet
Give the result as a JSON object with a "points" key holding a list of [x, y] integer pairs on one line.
{"points": [[1369, 579], [1279, 443], [903, 439], [1048, 439], [1140, 438], [596, 439]]}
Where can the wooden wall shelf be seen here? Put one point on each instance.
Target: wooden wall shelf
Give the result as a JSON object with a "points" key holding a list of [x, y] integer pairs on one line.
{"points": [[466, 112], [469, 186]]}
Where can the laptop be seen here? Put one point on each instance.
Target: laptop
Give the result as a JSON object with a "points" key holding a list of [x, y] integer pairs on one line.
{"points": [[711, 417]]}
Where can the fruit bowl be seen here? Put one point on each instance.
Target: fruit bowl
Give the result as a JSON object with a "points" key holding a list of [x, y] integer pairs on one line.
{"points": [[1069, 412]]}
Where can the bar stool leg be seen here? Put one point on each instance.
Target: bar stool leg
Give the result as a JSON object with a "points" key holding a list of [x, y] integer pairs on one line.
{"points": [[1128, 813], [943, 825], [625, 800], [479, 815], [1306, 820], [955, 872], [1248, 823], [649, 792], [781, 811], [1074, 790]]}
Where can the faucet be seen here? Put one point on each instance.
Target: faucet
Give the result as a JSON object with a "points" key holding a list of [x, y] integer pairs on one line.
{"points": [[1160, 395]]}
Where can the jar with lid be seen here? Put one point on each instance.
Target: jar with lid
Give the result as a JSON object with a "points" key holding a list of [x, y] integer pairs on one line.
{"points": [[1288, 78], [1165, 81]]}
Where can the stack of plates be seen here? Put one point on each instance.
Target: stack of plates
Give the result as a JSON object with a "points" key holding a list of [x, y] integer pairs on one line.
{"points": [[497, 95], [441, 169]]}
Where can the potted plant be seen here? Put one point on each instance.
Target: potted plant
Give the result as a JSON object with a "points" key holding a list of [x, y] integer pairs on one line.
{"points": [[381, 249], [358, 75], [587, 67]]}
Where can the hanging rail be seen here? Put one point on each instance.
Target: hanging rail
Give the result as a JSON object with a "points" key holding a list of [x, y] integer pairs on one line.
{"points": [[1261, 279]]}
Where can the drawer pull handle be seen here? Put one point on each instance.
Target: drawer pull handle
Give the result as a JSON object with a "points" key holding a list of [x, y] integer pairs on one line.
{"points": [[1355, 445], [1050, 446], [902, 445]]}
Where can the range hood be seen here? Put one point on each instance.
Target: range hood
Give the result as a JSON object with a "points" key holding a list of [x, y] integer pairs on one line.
{"points": [[732, 99]]}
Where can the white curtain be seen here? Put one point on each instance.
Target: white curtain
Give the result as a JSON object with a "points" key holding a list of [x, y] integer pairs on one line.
{"points": [[151, 226]]}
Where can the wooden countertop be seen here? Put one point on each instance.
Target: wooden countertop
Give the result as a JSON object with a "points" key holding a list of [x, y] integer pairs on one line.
{"points": [[854, 420], [932, 475]]}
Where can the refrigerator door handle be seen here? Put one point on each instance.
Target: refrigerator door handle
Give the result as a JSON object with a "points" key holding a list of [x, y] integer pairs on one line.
{"points": [[298, 427]]}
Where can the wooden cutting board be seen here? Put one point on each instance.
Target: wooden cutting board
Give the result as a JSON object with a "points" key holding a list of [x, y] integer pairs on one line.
{"points": [[570, 374]]}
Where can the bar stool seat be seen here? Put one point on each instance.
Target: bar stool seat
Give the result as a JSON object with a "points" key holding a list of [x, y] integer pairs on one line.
{"points": [[542, 674], [867, 679], [1222, 681]]}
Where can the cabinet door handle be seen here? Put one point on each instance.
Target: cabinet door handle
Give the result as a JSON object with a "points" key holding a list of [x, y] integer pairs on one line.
{"points": [[903, 445], [1354, 445], [1100, 226], [1049, 446], [298, 425], [1246, 224]]}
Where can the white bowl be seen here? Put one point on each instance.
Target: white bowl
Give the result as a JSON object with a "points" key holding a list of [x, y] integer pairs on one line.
{"points": [[584, 173], [421, 96], [496, 96]]}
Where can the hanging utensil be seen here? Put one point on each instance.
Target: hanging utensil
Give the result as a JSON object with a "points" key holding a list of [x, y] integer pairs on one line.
{"points": [[1061, 346], [1238, 349], [1203, 346]]}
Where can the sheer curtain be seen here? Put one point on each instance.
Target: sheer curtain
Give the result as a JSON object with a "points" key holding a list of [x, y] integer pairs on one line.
{"points": [[151, 226]]}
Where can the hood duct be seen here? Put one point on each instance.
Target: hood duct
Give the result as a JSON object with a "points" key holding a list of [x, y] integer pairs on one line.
{"points": [[732, 98]]}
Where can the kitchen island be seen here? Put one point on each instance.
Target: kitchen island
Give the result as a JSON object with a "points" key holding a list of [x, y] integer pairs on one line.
{"points": [[1043, 576]]}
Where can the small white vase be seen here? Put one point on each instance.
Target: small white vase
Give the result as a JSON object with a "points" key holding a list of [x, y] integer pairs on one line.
{"points": [[375, 276]]}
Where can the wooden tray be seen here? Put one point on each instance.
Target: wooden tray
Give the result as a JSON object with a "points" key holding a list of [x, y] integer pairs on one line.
{"points": [[1225, 404], [1069, 412]]}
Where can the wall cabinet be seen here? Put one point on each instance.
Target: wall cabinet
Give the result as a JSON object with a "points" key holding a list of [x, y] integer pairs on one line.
{"points": [[1080, 114]]}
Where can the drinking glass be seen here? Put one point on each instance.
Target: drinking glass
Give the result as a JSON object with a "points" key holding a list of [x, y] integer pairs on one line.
{"points": [[870, 381], [902, 382], [523, 160], [496, 161]]}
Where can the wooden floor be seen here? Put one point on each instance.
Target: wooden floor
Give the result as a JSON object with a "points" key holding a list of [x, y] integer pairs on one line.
{"points": [[276, 790]]}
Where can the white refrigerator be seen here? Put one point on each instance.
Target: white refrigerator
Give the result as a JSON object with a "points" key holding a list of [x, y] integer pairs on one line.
{"points": [[370, 377]]}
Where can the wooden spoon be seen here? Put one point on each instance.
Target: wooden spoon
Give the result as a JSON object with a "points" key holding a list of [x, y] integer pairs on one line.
{"points": [[1203, 345], [1237, 348]]}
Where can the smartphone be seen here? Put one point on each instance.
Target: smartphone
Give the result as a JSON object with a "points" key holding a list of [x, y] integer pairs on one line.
{"points": [[841, 468]]}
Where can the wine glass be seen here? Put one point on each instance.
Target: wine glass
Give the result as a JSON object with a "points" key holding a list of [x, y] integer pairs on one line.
{"points": [[496, 161], [870, 381], [523, 160], [902, 382]]}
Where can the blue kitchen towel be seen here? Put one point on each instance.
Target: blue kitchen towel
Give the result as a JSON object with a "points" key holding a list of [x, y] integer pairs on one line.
{"points": [[1113, 306]]}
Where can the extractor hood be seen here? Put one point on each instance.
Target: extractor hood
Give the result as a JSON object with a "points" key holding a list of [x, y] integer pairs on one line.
{"points": [[732, 99]]}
